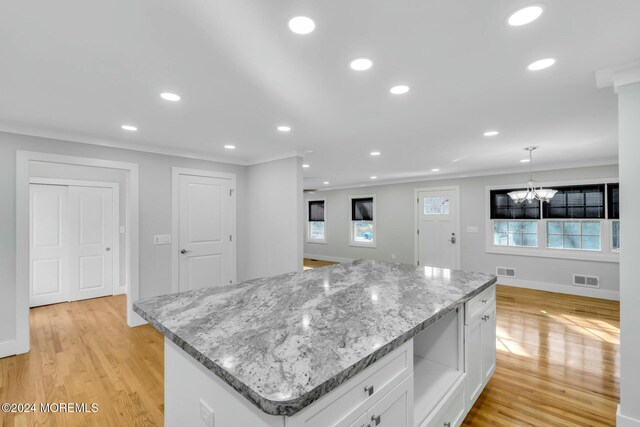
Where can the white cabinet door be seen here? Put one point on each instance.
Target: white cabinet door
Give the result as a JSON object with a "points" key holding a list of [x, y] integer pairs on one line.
{"points": [[48, 282], [91, 242], [488, 343], [396, 408], [206, 221], [473, 360], [363, 421]]}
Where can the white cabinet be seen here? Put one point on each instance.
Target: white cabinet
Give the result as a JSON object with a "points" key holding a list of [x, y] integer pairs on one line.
{"points": [[480, 347], [393, 410]]}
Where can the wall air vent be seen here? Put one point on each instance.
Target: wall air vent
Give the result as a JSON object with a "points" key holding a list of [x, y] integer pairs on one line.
{"points": [[506, 272], [588, 281]]}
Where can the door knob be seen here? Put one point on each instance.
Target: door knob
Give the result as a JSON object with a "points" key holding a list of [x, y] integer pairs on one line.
{"points": [[108, 249], [453, 238], [184, 251]]}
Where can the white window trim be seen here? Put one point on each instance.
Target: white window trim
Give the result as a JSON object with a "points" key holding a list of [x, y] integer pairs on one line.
{"points": [[374, 243], [308, 238], [606, 254]]}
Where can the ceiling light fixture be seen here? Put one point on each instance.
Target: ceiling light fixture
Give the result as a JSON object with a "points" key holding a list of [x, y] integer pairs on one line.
{"points": [[168, 96], [532, 193], [491, 133], [361, 64], [130, 128], [399, 90], [541, 64], [374, 177], [302, 25], [435, 170], [326, 183], [525, 161], [284, 128], [306, 165], [525, 16], [374, 153], [230, 147]]}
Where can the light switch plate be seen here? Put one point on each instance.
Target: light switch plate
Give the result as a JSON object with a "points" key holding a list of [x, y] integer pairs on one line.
{"points": [[207, 415], [161, 239], [122, 229], [472, 229]]}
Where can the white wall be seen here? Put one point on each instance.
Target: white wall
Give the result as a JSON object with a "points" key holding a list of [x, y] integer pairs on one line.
{"points": [[274, 218], [395, 223], [629, 149]]}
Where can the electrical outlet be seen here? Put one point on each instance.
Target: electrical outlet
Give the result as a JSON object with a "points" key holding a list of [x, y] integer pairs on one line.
{"points": [[393, 256], [161, 239], [207, 415], [122, 229]]}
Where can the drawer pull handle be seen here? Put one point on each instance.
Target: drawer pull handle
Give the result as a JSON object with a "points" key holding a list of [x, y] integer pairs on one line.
{"points": [[376, 419], [447, 424], [484, 301], [484, 318], [369, 390]]}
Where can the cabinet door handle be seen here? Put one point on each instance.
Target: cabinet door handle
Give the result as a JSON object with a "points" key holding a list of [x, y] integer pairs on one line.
{"points": [[375, 419], [369, 390], [447, 424], [184, 251], [484, 301]]}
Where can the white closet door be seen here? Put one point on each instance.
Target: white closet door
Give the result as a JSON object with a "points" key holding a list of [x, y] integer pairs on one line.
{"points": [[90, 242], [48, 244], [206, 221]]}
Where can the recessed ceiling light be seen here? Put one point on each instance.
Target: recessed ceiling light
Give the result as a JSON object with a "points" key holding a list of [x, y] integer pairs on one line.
{"points": [[361, 64], [305, 165], [541, 64], [230, 147], [326, 183], [375, 153], [435, 170], [525, 16], [374, 177], [491, 133], [130, 128], [399, 90], [168, 96], [284, 128], [525, 161], [302, 25]]}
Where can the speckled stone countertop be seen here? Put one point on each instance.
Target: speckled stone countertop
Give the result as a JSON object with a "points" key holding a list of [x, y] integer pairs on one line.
{"points": [[285, 341]]}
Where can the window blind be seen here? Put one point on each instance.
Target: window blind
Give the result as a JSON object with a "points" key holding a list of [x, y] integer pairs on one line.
{"points": [[579, 201], [362, 209], [503, 207], [316, 211], [613, 199]]}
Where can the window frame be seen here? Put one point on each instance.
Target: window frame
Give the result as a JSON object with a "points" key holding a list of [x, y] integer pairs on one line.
{"points": [[374, 241], [606, 253], [308, 223]]}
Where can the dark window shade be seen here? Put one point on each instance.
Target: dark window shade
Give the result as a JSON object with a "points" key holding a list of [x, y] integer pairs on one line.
{"points": [[503, 207], [578, 201], [316, 211], [613, 199], [362, 209]]}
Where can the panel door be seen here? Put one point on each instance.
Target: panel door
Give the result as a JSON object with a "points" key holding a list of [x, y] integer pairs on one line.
{"points": [[488, 343], [396, 408], [473, 360], [363, 421], [206, 224], [91, 242], [48, 276], [437, 228]]}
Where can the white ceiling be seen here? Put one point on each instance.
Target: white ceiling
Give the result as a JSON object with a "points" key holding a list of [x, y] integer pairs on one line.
{"points": [[81, 69]]}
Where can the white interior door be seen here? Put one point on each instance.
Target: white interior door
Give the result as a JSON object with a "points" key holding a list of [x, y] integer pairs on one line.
{"points": [[438, 228], [206, 227], [91, 242], [48, 276]]}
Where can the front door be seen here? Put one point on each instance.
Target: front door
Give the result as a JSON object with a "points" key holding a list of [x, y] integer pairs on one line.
{"points": [[206, 224], [438, 228]]}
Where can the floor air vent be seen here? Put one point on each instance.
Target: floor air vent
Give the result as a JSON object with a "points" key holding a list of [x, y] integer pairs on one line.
{"points": [[588, 281], [505, 272]]}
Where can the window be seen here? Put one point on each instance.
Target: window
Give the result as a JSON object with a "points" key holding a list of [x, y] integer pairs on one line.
{"points": [[316, 231], [581, 201], [515, 233], [576, 235], [615, 235], [503, 207], [613, 198], [436, 205], [363, 226]]}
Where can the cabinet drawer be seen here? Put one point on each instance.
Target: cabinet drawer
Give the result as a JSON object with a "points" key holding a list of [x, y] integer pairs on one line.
{"points": [[345, 404], [477, 304], [452, 413]]}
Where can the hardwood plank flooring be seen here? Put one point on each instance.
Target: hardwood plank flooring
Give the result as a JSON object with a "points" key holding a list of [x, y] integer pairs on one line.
{"points": [[314, 263], [557, 364]]}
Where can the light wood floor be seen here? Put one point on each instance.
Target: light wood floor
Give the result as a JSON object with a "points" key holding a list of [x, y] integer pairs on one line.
{"points": [[314, 263], [557, 364]]}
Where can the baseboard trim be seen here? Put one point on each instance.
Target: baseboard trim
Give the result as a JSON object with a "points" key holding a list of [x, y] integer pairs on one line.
{"points": [[8, 348], [327, 258], [623, 421], [562, 289]]}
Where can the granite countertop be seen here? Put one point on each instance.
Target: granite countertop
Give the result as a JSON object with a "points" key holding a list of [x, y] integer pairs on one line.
{"points": [[285, 341]]}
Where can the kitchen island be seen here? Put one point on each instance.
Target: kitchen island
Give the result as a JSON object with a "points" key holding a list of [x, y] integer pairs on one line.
{"points": [[360, 343]]}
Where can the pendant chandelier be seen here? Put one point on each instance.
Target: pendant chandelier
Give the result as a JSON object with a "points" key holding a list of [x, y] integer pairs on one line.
{"points": [[532, 193]]}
